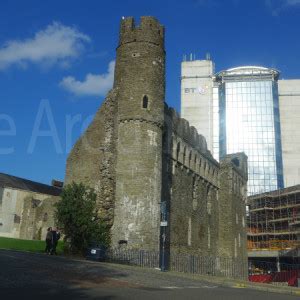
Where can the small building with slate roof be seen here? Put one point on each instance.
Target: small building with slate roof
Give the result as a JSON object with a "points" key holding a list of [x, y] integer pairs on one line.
{"points": [[26, 207]]}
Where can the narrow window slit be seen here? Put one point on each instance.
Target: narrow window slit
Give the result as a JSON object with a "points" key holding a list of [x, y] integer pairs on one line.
{"points": [[145, 102]]}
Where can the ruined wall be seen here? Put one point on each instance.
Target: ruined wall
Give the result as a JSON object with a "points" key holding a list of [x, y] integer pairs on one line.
{"points": [[232, 219], [205, 199], [36, 216], [190, 187], [10, 210], [156, 167], [92, 160], [233, 193], [25, 214]]}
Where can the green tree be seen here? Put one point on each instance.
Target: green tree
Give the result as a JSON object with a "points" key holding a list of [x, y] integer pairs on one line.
{"points": [[76, 214]]}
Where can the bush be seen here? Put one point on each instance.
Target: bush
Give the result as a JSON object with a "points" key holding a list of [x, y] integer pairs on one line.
{"points": [[76, 214]]}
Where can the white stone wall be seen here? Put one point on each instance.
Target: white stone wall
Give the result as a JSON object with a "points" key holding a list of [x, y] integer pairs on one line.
{"points": [[196, 96], [289, 105], [17, 217], [8, 208]]}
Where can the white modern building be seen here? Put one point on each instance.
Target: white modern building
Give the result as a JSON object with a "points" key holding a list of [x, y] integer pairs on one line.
{"points": [[196, 95], [246, 109], [289, 108]]}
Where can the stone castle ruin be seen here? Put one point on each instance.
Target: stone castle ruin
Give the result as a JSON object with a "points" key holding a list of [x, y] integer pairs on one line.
{"points": [[155, 179]]}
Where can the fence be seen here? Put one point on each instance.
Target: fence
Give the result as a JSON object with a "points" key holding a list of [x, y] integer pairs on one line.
{"points": [[259, 271], [141, 258], [213, 266]]}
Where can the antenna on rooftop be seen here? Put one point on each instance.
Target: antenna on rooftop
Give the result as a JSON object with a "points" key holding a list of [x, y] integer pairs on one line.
{"points": [[208, 56]]}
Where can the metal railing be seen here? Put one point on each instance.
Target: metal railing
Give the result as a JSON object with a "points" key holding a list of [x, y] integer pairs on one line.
{"points": [[213, 266], [193, 264], [141, 258], [258, 271]]}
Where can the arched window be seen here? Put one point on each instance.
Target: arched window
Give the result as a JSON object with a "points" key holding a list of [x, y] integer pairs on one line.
{"points": [[184, 155], [177, 151], [145, 102], [190, 159]]}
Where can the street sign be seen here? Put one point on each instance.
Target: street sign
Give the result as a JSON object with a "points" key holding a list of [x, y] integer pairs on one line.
{"points": [[164, 224]]}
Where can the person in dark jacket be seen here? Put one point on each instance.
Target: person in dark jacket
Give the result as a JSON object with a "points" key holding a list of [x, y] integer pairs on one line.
{"points": [[55, 238], [48, 241]]}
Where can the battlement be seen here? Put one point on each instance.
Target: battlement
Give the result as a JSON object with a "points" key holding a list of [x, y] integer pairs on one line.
{"points": [[149, 30], [239, 162], [188, 133], [188, 148]]}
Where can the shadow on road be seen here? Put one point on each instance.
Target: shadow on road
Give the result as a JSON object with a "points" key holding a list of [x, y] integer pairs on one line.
{"points": [[36, 276]]}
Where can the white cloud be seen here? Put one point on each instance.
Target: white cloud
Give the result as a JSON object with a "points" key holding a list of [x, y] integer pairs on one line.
{"points": [[277, 6], [292, 2], [92, 85], [56, 44]]}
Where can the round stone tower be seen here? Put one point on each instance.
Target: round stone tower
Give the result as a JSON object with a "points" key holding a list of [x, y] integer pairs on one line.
{"points": [[140, 84]]}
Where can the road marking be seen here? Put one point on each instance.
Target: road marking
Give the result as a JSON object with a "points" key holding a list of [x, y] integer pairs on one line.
{"points": [[190, 287], [239, 286], [209, 286]]}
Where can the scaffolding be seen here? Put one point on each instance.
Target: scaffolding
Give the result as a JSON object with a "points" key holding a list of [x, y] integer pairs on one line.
{"points": [[273, 220]]}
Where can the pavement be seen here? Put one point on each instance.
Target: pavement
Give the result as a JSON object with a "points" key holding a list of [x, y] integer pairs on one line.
{"points": [[39, 276]]}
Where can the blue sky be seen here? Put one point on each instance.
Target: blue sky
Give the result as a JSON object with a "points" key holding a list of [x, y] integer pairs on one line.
{"points": [[57, 59]]}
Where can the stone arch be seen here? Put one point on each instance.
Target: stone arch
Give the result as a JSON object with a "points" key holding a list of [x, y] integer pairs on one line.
{"points": [[178, 151], [195, 162], [184, 155], [209, 199], [190, 159], [199, 165]]}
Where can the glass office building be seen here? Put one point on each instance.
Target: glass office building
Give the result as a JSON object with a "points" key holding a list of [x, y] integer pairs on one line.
{"points": [[246, 100]]}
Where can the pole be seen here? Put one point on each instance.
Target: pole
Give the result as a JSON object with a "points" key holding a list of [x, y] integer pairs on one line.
{"points": [[163, 267]]}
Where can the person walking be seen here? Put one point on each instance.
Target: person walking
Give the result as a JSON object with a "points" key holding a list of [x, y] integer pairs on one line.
{"points": [[48, 241], [55, 239]]}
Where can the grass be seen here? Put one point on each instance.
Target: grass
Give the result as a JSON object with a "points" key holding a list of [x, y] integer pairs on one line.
{"points": [[27, 245]]}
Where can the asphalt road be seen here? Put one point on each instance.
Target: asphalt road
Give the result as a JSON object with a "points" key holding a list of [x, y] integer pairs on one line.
{"points": [[38, 276]]}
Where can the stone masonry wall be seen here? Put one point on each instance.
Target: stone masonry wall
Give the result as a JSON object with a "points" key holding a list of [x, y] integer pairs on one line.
{"points": [[93, 158], [233, 192], [190, 187], [140, 79], [37, 215], [153, 160]]}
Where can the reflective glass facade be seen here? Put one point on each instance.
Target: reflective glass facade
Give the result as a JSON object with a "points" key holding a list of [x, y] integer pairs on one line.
{"points": [[249, 122]]}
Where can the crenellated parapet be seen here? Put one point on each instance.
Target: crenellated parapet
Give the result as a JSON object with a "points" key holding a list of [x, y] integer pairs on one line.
{"points": [[188, 148], [188, 133], [149, 30], [237, 166]]}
